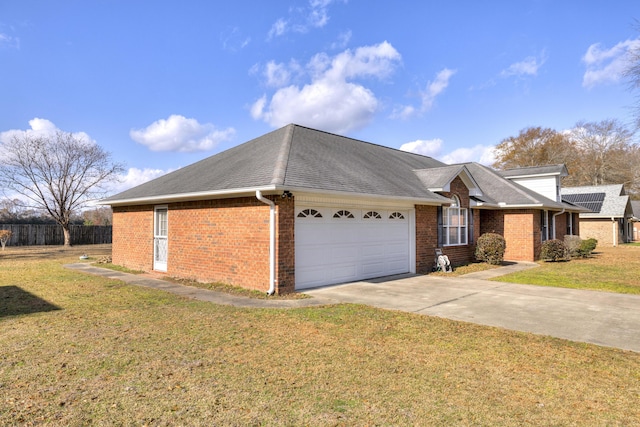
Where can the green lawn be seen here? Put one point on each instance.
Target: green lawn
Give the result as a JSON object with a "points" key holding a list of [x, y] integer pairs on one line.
{"points": [[609, 269], [87, 350]]}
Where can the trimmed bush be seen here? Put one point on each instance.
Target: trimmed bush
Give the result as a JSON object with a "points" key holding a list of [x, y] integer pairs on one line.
{"points": [[573, 245], [553, 250], [587, 247], [490, 248]]}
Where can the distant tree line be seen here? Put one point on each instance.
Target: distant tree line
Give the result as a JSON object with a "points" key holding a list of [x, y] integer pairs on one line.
{"points": [[595, 153], [12, 211]]}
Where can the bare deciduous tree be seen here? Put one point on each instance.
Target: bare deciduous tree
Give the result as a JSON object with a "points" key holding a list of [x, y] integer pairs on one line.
{"points": [[632, 74], [534, 146], [604, 148], [595, 153], [58, 174]]}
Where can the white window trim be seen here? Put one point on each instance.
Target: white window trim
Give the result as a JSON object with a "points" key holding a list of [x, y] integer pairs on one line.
{"points": [[446, 227]]}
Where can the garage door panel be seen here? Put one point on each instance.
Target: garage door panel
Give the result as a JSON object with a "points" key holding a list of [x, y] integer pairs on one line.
{"points": [[397, 249], [343, 273], [335, 250], [311, 276], [370, 250], [375, 269]]}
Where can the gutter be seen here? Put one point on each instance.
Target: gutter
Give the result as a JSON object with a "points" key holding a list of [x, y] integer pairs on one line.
{"points": [[553, 218], [272, 241]]}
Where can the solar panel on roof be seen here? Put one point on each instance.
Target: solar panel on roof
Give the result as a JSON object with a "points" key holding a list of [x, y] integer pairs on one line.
{"points": [[591, 201]]}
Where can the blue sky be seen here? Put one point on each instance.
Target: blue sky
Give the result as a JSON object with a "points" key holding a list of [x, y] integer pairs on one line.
{"points": [[162, 84]]}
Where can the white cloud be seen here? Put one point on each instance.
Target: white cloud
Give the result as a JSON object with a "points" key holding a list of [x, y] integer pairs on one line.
{"points": [[428, 95], [332, 101], [39, 128], [134, 177], [527, 67], [607, 65], [233, 40], [342, 41], [178, 133], [279, 74], [302, 19], [436, 87], [433, 148], [425, 147], [480, 153], [278, 28], [7, 41]]}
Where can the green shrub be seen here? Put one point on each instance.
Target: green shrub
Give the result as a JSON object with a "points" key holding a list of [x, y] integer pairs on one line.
{"points": [[587, 247], [553, 250], [490, 248], [573, 245]]}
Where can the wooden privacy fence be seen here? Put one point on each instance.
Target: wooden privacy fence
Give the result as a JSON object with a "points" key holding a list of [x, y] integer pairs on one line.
{"points": [[51, 234]]}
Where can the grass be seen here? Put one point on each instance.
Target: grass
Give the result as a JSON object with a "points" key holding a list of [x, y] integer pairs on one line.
{"points": [[113, 354], [611, 269], [461, 270]]}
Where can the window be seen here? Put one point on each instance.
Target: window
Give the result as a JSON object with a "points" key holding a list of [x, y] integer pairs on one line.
{"points": [[372, 215], [309, 213], [569, 223], [343, 214], [396, 215], [544, 225], [454, 224]]}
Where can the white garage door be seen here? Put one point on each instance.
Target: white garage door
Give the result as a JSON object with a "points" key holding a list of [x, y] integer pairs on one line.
{"points": [[336, 245]]}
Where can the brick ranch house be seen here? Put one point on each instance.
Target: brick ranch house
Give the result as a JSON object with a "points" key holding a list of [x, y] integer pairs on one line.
{"points": [[609, 214], [300, 208]]}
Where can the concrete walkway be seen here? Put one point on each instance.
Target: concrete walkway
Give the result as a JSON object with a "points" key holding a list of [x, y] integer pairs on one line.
{"points": [[601, 318], [197, 293]]}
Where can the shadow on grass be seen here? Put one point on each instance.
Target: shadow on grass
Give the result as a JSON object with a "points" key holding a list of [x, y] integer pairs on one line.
{"points": [[15, 301]]}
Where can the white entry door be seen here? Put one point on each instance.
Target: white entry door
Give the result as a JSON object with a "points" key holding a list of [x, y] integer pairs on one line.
{"points": [[340, 244], [160, 234]]}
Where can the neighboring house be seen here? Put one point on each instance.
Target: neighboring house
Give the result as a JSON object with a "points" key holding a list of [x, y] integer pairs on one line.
{"points": [[299, 208], [635, 207], [610, 216]]}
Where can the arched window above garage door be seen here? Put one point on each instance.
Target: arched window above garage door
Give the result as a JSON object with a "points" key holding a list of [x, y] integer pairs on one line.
{"points": [[372, 215], [343, 214], [309, 213], [396, 215]]}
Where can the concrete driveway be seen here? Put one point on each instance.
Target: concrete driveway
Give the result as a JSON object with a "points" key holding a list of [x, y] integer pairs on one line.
{"points": [[601, 318]]}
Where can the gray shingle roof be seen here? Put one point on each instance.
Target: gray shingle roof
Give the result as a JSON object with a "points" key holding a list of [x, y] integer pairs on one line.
{"points": [[614, 203], [498, 190], [296, 157], [439, 177]]}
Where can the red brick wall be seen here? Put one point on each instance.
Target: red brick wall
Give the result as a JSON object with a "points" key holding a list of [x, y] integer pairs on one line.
{"points": [[519, 227], [133, 237], [285, 244], [426, 237], [225, 240]]}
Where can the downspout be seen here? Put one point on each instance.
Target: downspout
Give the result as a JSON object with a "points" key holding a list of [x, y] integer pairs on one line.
{"points": [[272, 241], [615, 231], [553, 219]]}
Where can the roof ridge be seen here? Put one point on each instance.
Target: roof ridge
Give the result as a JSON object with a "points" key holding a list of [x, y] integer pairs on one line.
{"points": [[365, 142], [280, 168]]}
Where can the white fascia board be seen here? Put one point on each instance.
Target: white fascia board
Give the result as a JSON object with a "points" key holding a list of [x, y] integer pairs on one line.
{"points": [[482, 205], [201, 195]]}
